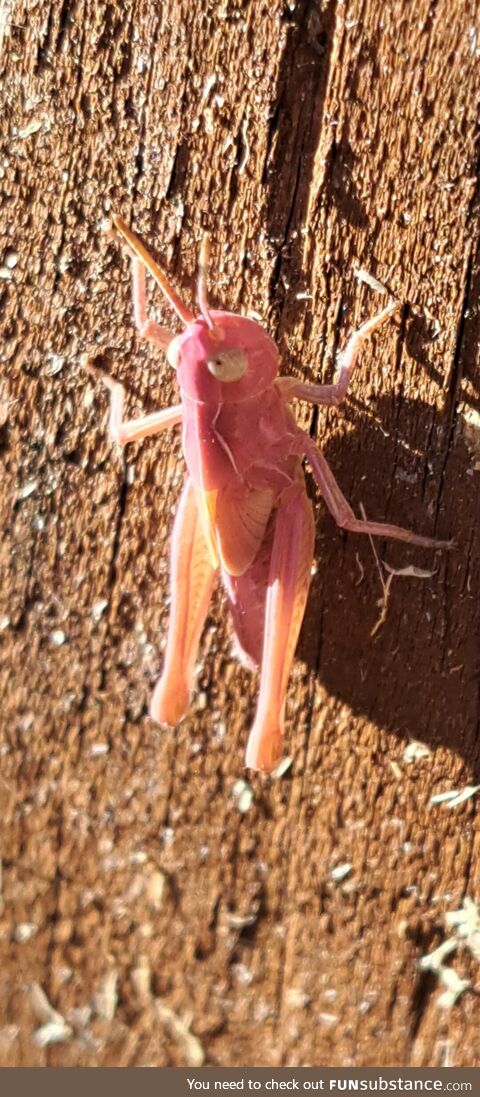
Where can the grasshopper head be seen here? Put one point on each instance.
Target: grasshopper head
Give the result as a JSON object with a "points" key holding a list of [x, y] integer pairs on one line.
{"points": [[231, 360], [221, 357]]}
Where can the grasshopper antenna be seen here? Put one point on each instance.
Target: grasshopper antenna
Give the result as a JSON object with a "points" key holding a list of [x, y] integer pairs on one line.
{"points": [[203, 262], [135, 245]]}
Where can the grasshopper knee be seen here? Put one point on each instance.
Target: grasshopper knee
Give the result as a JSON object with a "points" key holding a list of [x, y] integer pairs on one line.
{"points": [[169, 702], [265, 745]]}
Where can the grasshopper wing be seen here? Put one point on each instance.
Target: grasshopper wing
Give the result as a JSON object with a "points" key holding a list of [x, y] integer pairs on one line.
{"points": [[241, 519]]}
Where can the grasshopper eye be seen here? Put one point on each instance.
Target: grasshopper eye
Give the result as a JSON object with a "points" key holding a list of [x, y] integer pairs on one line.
{"points": [[173, 354], [228, 365]]}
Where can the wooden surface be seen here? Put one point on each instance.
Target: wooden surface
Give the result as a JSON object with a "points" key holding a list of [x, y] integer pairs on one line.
{"points": [[312, 139]]}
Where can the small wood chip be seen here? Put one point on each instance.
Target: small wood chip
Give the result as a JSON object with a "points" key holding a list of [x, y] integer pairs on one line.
{"points": [[240, 921], [454, 987], [369, 280], [243, 795], [141, 977], [54, 1028], [415, 751], [24, 931], [409, 572], [455, 797], [180, 1031], [466, 926], [283, 767], [32, 127], [297, 998], [155, 890], [339, 872], [106, 998], [466, 923], [433, 961], [52, 1033], [28, 489]]}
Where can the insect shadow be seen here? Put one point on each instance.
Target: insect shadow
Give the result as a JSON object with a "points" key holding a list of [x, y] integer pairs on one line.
{"points": [[418, 341], [417, 674], [340, 186]]}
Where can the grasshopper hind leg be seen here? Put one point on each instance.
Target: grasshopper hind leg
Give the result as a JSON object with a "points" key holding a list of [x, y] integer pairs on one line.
{"points": [[287, 590], [192, 574]]}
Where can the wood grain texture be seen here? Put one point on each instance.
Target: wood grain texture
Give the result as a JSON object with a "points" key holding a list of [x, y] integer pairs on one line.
{"points": [[312, 139]]}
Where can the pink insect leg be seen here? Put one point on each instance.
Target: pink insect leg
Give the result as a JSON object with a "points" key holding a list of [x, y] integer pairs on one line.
{"points": [[191, 579], [332, 395], [342, 512], [131, 430], [288, 583]]}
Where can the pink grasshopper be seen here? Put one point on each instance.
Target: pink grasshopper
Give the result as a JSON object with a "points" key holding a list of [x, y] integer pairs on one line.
{"points": [[244, 509]]}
